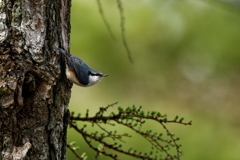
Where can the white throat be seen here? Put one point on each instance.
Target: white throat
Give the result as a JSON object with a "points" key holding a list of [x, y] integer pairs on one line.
{"points": [[94, 79]]}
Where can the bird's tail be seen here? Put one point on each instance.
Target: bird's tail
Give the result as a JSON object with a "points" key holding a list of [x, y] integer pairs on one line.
{"points": [[68, 58], [63, 52]]}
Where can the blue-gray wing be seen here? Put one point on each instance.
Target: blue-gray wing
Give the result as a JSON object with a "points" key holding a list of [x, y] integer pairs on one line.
{"points": [[81, 70]]}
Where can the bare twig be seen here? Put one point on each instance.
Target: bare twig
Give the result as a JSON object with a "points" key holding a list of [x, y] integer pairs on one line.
{"points": [[100, 8], [122, 25]]}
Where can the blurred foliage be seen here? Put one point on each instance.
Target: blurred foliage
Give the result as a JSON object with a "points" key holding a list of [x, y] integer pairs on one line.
{"points": [[186, 61]]}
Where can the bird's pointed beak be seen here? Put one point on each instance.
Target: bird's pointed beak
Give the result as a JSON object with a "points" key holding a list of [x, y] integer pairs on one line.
{"points": [[105, 75]]}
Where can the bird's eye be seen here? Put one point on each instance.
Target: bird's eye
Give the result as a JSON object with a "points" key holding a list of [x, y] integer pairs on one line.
{"points": [[90, 73], [95, 74]]}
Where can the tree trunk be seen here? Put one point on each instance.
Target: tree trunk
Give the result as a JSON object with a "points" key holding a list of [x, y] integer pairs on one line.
{"points": [[34, 92]]}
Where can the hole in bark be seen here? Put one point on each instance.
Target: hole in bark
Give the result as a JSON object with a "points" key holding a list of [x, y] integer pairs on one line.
{"points": [[29, 85]]}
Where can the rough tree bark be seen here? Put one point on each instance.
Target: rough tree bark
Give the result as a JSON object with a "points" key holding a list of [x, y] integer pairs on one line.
{"points": [[34, 92]]}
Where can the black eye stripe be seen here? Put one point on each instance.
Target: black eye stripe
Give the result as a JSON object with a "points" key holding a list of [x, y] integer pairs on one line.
{"points": [[95, 74]]}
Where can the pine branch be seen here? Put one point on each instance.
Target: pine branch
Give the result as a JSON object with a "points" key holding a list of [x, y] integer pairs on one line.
{"points": [[132, 118]]}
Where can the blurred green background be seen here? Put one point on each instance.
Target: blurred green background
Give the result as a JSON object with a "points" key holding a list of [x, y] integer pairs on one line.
{"points": [[186, 62]]}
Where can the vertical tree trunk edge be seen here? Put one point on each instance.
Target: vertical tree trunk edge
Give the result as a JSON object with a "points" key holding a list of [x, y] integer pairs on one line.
{"points": [[34, 93]]}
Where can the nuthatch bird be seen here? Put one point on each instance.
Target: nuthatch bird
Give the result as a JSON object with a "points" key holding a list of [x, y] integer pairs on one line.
{"points": [[79, 73]]}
